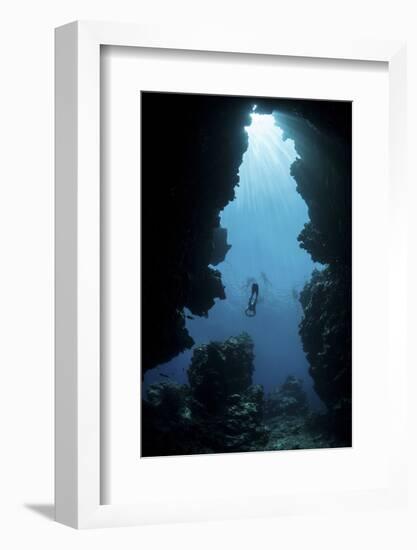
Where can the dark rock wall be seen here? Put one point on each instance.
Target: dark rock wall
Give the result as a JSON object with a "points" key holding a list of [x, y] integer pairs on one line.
{"points": [[192, 147], [324, 180]]}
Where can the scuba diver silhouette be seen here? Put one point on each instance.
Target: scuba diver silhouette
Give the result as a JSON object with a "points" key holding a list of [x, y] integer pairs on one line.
{"points": [[251, 309]]}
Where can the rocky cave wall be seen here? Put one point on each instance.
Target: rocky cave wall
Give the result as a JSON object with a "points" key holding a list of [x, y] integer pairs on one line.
{"points": [[192, 147], [324, 180]]}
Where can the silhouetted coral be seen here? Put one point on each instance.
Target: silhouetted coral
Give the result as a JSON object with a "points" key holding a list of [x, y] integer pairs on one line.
{"points": [[219, 411], [220, 369], [288, 399], [167, 427], [326, 335]]}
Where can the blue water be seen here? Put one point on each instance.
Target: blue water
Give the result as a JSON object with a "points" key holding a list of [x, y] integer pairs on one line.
{"points": [[263, 223]]}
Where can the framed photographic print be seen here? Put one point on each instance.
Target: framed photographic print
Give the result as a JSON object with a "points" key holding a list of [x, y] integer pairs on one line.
{"points": [[222, 348]]}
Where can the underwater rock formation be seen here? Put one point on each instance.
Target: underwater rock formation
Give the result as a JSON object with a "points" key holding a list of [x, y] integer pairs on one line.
{"points": [[291, 422], [219, 411], [291, 432], [323, 174], [220, 245], [220, 369], [192, 148], [288, 399], [167, 428], [326, 335]]}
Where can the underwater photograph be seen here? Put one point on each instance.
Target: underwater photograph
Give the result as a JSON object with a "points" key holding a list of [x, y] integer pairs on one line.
{"points": [[246, 274]]}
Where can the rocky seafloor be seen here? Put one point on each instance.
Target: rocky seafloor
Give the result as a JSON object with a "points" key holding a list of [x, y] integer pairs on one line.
{"points": [[220, 410]]}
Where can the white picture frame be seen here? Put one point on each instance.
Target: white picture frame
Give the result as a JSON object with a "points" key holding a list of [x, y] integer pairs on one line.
{"points": [[77, 409]]}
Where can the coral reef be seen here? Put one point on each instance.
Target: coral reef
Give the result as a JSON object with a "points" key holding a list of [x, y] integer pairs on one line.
{"points": [[219, 411], [326, 335], [291, 423], [291, 432], [289, 399], [167, 427], [221, 369]]}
